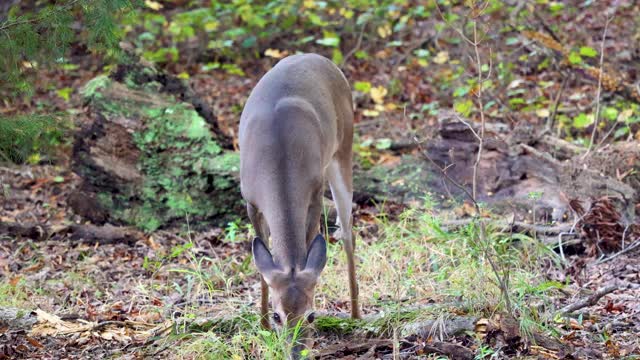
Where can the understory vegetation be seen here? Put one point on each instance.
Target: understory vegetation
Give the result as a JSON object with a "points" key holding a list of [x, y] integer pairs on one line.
{"points": [[496, 178]]}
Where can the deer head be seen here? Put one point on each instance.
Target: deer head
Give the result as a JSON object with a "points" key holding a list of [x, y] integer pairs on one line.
{"points": [[292, 290]]}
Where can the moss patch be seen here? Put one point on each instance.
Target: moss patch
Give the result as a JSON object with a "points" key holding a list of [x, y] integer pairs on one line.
{"points": [[185, 173]]}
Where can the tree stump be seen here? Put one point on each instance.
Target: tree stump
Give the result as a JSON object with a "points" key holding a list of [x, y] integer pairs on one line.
{"points": [[150, 155]]}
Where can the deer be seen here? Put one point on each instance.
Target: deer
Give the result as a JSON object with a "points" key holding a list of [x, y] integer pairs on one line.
{"points": [[295, 134]]}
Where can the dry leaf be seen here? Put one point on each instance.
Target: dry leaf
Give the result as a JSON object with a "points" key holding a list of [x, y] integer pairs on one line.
{"points": [[275, 53], [154, 5], [384, 30], [370, 113], [378, 93], [625, 115], [441, 58], [543, 113]]}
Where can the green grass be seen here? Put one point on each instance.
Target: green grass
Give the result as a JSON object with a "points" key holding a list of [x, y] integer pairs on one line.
{"points": [[408, 265], [13, 295]]}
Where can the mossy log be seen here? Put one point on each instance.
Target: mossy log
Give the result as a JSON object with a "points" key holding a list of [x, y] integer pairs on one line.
{"points": [[148, 155]]}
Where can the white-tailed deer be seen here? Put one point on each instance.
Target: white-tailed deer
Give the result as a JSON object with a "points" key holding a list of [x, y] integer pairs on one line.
{"points": [[296, 131]]}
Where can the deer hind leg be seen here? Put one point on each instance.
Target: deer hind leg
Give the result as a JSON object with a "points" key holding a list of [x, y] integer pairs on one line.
{"points": [[339, 176], [262, 231]]}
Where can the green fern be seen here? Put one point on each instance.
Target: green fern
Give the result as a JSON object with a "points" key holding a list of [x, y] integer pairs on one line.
{"points": [[24, 138]]}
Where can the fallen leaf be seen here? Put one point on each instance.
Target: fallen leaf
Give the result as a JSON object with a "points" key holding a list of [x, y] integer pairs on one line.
{"points": [[543, 113], [384, 30], [275, 53], [370, 113], [154, 5], [623, 116], [441, 58], [378, 93]]}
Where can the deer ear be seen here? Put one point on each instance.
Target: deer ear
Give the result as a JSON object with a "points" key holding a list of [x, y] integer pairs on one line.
{"points": [[316, 256], [262, 258]]}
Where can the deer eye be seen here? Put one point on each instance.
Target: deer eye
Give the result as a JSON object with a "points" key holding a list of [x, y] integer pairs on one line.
{"points": [[311, 317], [276, 318]]}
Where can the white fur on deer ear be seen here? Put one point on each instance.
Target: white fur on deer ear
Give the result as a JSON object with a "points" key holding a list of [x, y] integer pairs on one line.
{"points": [[263, 259], [316, 256]]}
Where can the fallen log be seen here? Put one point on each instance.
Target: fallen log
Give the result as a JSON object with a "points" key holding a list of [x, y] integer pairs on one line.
{"points": [[17, 231], [17, 319], [85, 233], [107, 234]]}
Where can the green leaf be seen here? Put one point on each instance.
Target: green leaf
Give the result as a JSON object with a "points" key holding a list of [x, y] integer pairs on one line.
{"points": [[461, 91], [233, 69], [582, 120], [337, 56], [512, 41], [58, 179], [361, 55], [588, 51], [65, 93], [623, 131], [383, 144], [610, 113], [574, 58], [463, 107], [362, 86], [421, 53], [329, 41]]}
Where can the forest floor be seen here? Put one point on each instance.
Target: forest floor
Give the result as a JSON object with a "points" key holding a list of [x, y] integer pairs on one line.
{"points": [[427, 288]]}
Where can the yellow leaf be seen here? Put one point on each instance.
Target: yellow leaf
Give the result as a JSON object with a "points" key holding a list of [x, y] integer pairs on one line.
{"points": [[390, 106], [384, 30], [309, 4], [370, 113], [210, 26], [441, 58], [183, 75], [378, 93], [347, 14], [543, 113], [275, 53], [154, 5], [379, 107]]}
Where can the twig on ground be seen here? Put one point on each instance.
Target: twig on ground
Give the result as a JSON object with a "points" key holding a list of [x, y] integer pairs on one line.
{"points": [[562, 144], [624, 251], [589, 301], [545, 156]]}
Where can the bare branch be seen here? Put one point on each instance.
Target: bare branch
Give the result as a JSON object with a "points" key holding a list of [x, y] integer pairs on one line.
{"points": [[597, 116], [590, 301]]}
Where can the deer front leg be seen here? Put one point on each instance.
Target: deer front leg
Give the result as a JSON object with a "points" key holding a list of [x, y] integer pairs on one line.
{"points": [[342, 196], [262, 232]]}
